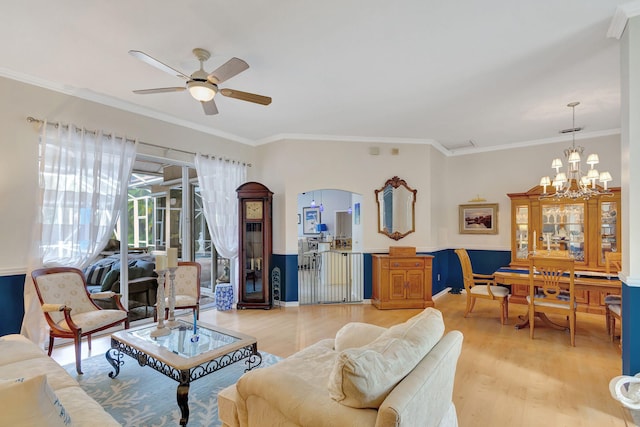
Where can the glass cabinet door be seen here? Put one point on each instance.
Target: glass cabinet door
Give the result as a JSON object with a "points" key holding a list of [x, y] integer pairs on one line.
{"points": [[522, 232], [253, 252], [563, 229], [608, 229]]}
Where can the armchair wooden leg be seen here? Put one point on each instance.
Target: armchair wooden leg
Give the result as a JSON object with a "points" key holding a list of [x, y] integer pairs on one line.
{"points": [[77, 342], [89, 341], [51, 344]]}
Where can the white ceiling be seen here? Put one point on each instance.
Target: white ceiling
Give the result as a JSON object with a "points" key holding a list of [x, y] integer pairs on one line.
{"points": [[494, 71]]}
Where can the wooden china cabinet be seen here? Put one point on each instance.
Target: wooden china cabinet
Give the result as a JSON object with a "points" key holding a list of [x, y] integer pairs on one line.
{"points": [[586, 228], [255, 245]]}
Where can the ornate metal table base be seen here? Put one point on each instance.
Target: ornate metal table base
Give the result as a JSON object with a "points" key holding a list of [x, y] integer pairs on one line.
{"points": [[186, 376]]}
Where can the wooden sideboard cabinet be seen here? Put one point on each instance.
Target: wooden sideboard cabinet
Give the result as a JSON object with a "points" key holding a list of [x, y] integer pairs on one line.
{"points": [[402, 281], [587, 229]]}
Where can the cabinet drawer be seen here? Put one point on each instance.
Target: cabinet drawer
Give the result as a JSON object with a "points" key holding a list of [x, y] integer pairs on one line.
{"points": [[406, 263]]}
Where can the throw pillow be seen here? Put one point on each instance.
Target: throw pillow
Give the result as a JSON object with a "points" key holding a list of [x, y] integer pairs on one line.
{"points": [[109, 279], [31, 402], [136, 272], [148, 268], [356, 334], [363, 377], [95, 273]]}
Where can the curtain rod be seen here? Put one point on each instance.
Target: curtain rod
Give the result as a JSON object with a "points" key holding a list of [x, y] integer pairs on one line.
{"points": [[56, 124]]}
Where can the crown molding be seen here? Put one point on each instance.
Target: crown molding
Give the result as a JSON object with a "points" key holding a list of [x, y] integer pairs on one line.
{"points": [[342, 138], [619, 21], [536, 142]]}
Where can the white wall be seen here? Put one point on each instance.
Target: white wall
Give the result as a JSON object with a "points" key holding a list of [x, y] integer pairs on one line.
{"points": [[297, 166]]}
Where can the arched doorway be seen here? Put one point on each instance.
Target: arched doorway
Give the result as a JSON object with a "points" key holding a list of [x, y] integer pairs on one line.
{"points": [[330, 259]]}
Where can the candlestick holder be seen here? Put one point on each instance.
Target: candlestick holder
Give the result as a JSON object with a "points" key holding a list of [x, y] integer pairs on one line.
{"points": [[171, 321], [161, 330]]}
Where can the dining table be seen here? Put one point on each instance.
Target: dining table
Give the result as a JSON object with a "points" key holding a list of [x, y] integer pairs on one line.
{"points": [[584, 280]]}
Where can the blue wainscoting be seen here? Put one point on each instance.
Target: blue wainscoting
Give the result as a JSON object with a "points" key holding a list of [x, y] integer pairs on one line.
{"points": [[446, 270], [11, 303], [483, 262], [630, 330]]}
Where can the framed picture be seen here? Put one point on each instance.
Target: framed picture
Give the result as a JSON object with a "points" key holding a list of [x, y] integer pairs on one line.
{"points": [[310, 218], [356, 213], [479, 218]]}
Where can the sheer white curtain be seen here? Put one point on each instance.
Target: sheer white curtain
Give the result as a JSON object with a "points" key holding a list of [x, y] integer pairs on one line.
{"points": [[218, 180], [83, 179]]}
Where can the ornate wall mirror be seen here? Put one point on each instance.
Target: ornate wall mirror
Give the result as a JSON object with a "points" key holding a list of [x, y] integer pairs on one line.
{"points": [[396, 208]]}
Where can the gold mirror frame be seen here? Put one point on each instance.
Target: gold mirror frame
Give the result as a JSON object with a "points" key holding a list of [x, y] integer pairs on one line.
{"points": [[395, 197]]}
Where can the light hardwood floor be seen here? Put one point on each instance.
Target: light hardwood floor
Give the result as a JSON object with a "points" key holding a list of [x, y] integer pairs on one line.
{"points": [[503, 378]]}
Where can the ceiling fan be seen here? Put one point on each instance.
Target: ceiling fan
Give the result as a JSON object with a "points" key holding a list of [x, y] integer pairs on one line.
{"points": [[201, 85]]}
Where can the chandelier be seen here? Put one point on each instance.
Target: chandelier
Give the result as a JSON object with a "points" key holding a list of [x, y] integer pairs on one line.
{"points": [[575, 183]]}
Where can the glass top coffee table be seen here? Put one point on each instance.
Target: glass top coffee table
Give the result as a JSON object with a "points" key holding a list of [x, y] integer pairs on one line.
{"points": [[183, 356]]}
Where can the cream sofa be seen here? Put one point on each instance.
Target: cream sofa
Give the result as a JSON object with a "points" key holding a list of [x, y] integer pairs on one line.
{"points": [[366, 376], [36, 391]]}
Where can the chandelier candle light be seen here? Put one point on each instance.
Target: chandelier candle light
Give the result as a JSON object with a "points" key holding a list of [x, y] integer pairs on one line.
{"points": [[574, 183]]}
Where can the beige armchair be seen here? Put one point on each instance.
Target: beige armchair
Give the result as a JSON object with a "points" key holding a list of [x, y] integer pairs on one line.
{"points": [[69, 309], [187, 283]]}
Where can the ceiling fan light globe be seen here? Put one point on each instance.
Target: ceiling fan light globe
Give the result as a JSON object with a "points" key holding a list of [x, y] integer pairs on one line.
{"points": [[201, 91]]}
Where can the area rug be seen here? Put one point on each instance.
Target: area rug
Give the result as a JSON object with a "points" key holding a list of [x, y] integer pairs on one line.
{"points": [[141, 396]]}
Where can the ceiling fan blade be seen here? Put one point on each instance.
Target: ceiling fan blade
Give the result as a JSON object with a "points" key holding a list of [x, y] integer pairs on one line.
{"points": [[158, 90], [227, 70], [246, 96], [209, 107], [155, 63]]}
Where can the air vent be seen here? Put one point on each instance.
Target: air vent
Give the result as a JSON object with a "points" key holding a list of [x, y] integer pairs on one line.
{"points": [[571, 130], [454, 145]]}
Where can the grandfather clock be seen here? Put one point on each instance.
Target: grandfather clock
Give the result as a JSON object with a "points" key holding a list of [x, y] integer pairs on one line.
{"points": [[255, 245]]}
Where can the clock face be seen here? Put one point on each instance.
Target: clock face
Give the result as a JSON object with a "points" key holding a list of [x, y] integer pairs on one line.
{"points": [[253, 210]]}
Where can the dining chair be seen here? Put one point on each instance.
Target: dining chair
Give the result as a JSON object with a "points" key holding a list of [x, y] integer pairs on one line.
{"points": [[545, 297], [482, 286], [69, 309], [187, 283], [613, 303]]}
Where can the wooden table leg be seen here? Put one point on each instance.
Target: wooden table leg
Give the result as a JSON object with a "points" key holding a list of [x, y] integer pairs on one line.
{"points": [[549, 323], [524, 321]]}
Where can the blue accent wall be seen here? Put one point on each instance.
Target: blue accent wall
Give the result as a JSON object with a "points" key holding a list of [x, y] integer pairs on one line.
{"points": [[483, 262], [11, 304], [368, 276], [630, 329]]}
